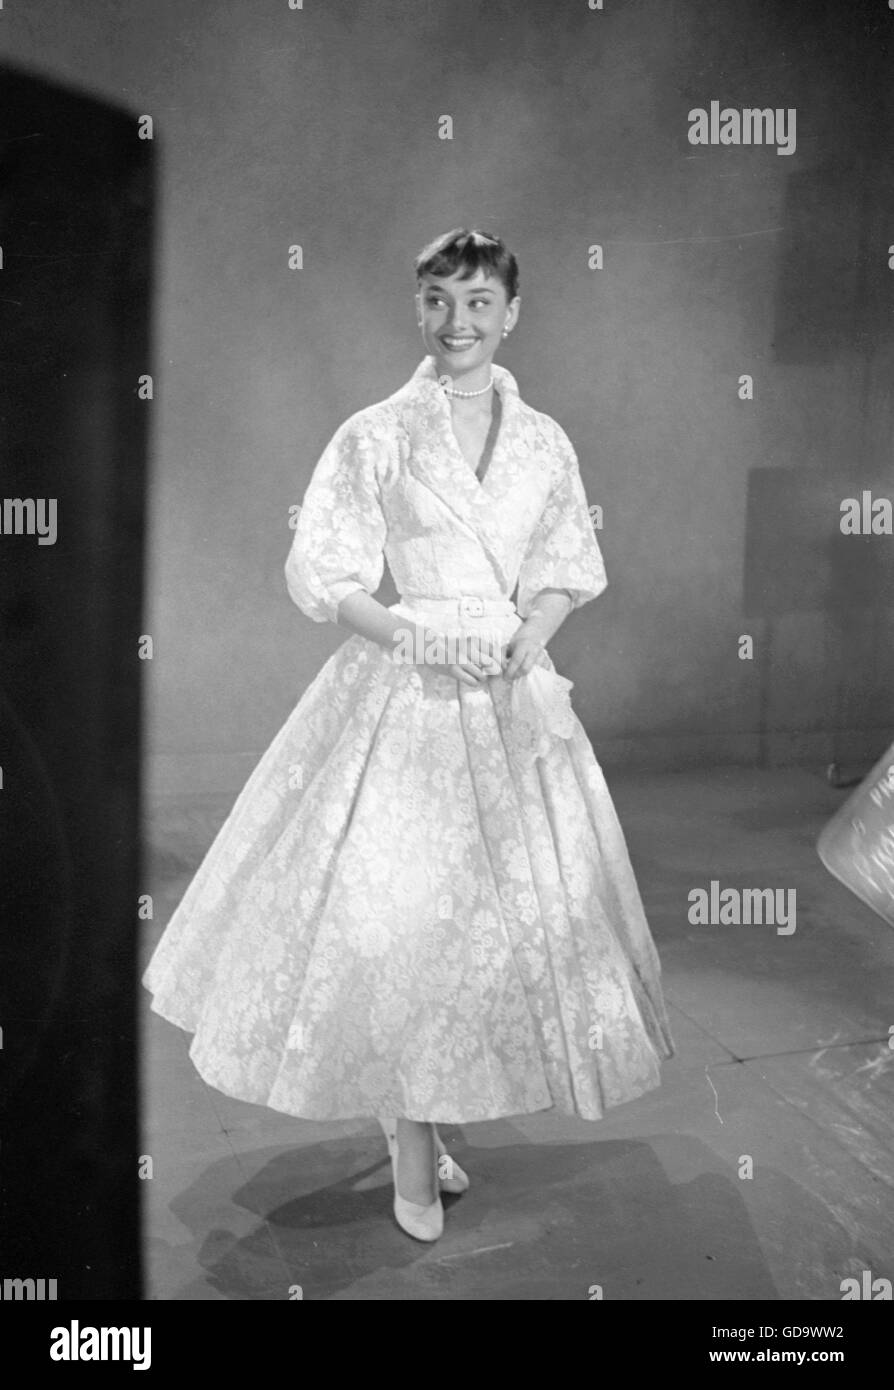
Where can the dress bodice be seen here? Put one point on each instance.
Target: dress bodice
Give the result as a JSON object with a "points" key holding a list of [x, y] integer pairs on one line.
{"points": [[393, 483]]}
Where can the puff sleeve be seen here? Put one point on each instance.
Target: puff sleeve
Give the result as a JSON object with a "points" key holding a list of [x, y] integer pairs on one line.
{"points": [[562, 552], [338, 546]]}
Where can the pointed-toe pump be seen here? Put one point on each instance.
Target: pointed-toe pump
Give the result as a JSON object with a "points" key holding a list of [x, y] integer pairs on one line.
{"points": [[454, 1179], [419, 1221]]}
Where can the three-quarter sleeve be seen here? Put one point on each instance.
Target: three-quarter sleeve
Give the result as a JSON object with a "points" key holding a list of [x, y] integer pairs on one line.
{"points": [[563, 552], [338, 546]]}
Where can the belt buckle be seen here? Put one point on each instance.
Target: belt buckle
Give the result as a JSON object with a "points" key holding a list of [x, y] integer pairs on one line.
{"points": [[471, 607]]}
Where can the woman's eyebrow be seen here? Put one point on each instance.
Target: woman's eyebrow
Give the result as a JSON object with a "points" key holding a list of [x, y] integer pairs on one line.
{"points": [[476, 289]]}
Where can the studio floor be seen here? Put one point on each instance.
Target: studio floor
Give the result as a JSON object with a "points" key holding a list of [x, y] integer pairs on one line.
{"points": [[782, 1057]]}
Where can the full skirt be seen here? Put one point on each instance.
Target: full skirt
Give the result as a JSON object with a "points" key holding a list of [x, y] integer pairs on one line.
{"points": [[402, 917]]}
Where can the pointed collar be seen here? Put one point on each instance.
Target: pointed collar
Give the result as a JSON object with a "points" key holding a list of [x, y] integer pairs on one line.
{"points": [[436, 460]]}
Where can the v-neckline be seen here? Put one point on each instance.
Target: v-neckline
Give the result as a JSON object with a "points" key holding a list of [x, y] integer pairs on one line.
{"points": [[494, 437]]}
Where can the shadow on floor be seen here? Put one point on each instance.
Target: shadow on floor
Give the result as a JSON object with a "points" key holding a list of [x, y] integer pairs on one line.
{"points": [[540, 1222]]}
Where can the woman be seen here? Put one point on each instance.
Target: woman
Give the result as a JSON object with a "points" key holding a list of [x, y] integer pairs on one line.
{"points": [[421, 907]]}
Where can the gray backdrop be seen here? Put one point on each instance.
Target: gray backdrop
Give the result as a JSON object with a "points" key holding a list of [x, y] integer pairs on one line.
{"points": [[319, 126]]}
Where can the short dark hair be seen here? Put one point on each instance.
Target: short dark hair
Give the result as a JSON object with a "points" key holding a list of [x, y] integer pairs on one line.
{"points": [[470, 250]]}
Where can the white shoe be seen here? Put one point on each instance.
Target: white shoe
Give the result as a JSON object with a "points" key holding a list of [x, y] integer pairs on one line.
{"points": [[454, 1179], [419, 1221]]}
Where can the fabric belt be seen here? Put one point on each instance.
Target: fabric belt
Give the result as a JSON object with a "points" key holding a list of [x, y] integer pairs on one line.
{"points": [[540, 709], [462, 606]]}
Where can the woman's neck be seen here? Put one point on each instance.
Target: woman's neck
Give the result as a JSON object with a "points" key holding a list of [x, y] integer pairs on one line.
{"points": [[480, 408], [476, 379]]}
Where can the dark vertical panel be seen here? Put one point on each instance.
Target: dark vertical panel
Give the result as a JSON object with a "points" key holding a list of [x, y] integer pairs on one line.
{"points": [[75, 227]]}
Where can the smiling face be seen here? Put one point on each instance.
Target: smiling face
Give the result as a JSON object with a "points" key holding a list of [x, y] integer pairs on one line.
{"points": [[462, 321]]}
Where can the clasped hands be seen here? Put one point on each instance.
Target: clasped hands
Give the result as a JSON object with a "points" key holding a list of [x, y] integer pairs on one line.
{"points": [[480, 657]]}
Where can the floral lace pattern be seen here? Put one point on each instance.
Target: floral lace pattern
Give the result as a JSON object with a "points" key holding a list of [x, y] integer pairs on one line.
{"points": [[422, 901], [393, 483], [540, 713]]}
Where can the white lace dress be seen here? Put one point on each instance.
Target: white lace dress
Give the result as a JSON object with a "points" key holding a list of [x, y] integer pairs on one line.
{"points": [[422, 903]]}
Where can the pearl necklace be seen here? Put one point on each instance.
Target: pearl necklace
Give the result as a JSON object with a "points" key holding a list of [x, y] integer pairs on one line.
{"points": [[444, 381]]}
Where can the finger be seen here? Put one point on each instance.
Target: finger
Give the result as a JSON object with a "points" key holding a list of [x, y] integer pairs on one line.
{"points": [[476, 653], [520, 662]]}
